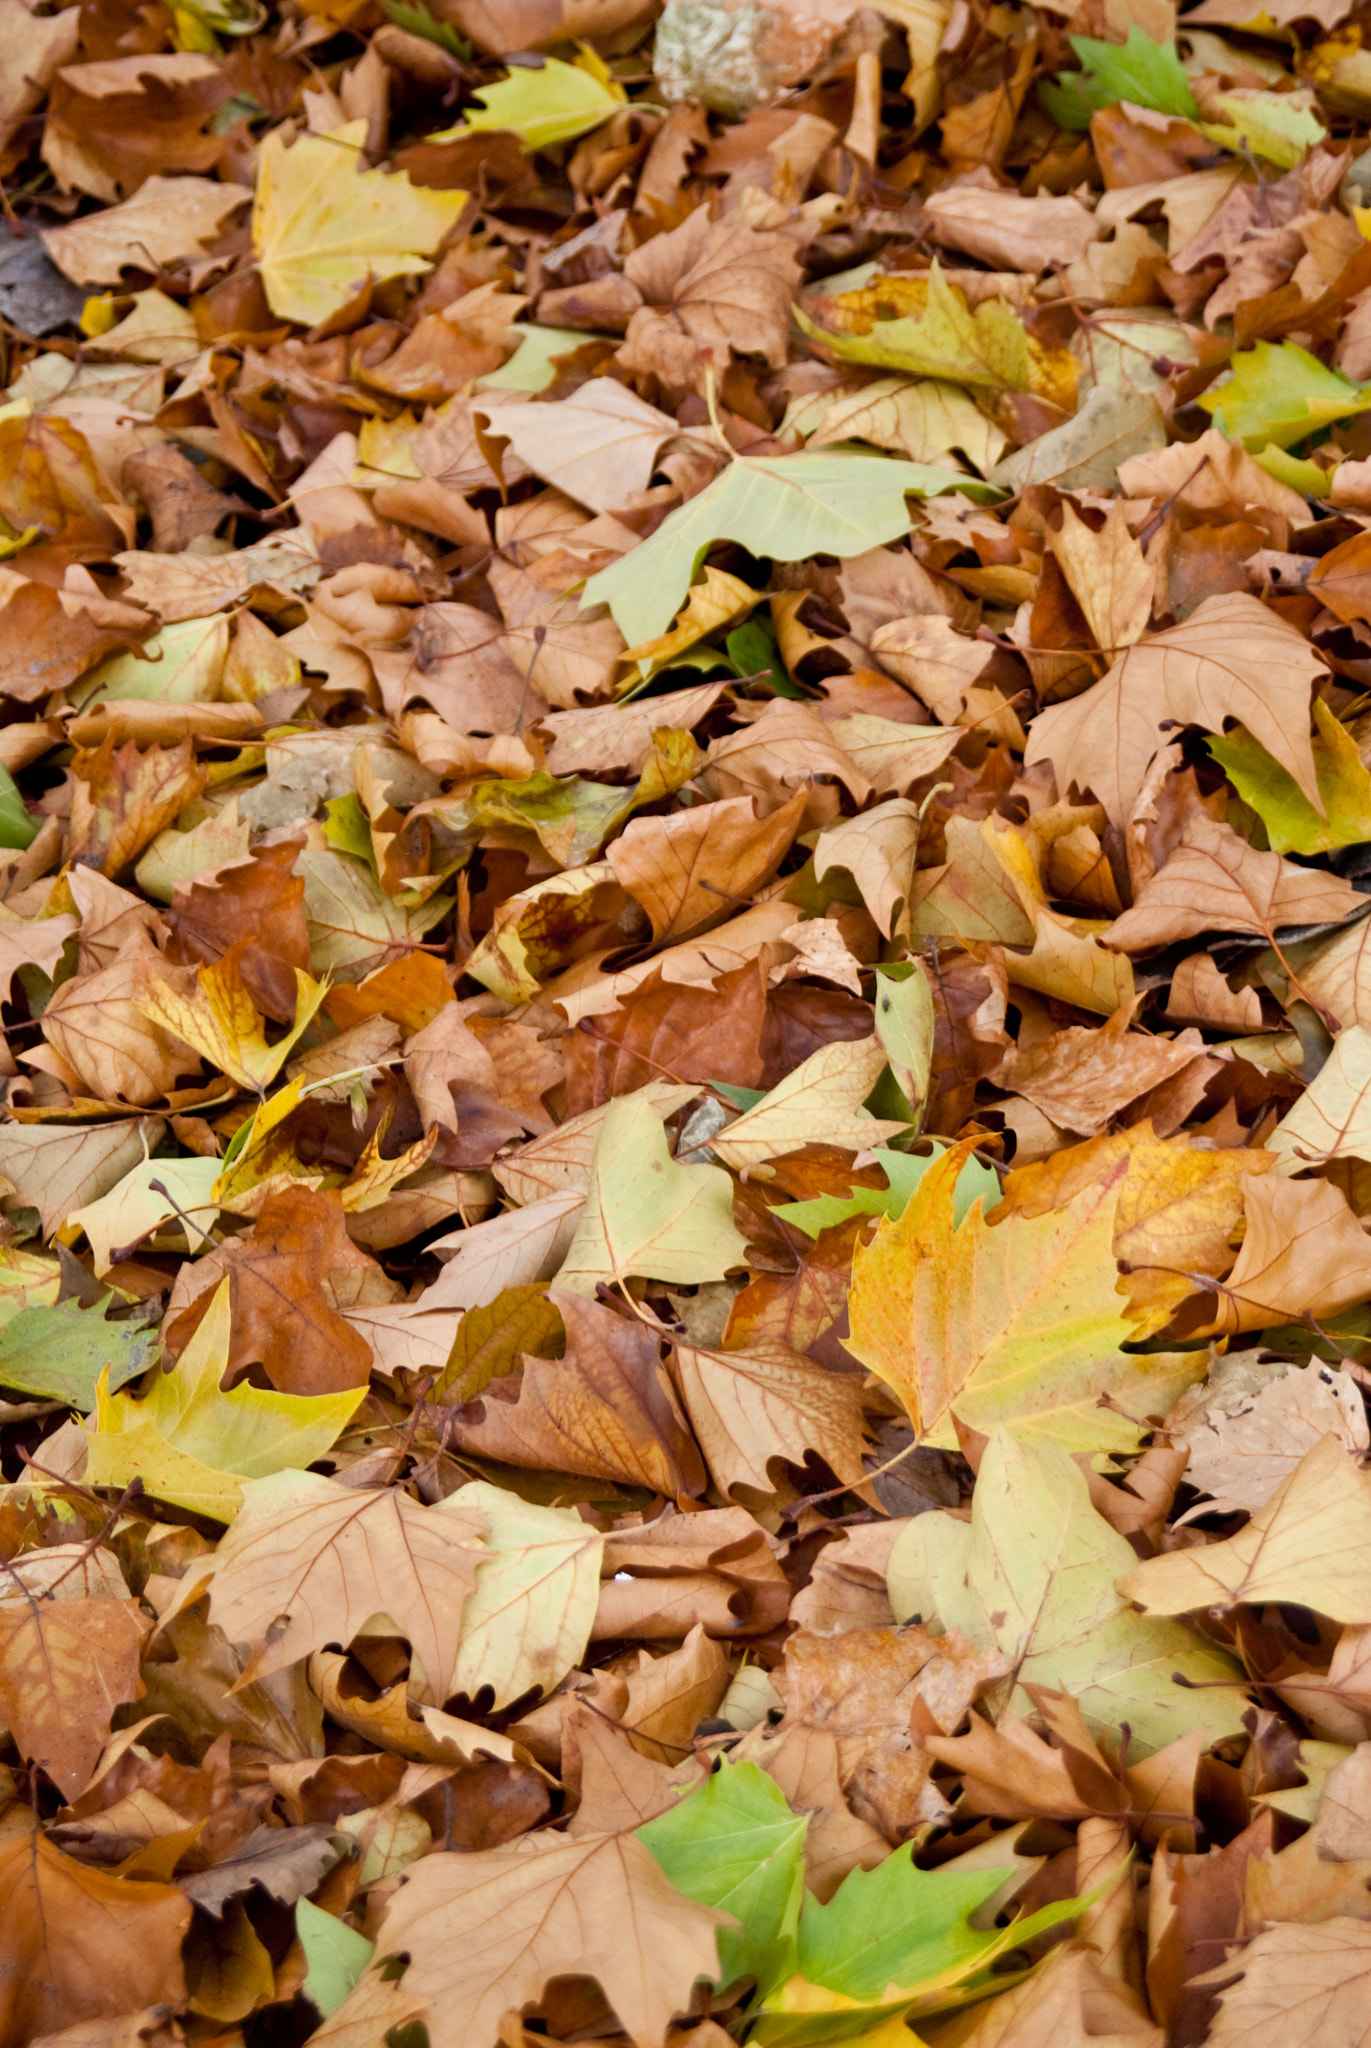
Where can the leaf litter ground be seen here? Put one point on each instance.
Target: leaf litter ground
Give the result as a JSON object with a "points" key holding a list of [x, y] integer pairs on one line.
{"points": [[685, 1159]]}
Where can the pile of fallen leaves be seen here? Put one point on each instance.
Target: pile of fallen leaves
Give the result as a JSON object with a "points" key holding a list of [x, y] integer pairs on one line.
{"points": [[685, 1138]]}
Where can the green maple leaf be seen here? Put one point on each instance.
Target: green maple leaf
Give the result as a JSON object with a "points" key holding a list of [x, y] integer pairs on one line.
{"points": [[895, 1940], [735, 1844], [1145, 73], [1279, 394], [783, 507]]}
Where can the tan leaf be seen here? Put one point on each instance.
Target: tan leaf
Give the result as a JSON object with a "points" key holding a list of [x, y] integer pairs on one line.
{"points": [[689, 870], [487, 1931], [70, 1640], [309, 1562], [748, 1407], [167, 218], [1239, 1457], [1232, 658], [1310, 1544], [1216, 881]]}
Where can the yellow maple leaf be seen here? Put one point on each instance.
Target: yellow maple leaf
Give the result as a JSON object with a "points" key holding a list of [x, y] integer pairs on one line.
{"points": [[222, 1023], [193, 1445], [1017, 1325], [322, 227]]}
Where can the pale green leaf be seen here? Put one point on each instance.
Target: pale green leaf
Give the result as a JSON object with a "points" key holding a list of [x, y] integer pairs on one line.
{"points": [[649, 1215], [783, 507], [1035, 1575], [529, 1618]]}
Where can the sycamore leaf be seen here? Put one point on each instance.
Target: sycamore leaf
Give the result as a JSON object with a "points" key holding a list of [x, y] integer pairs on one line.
{"points": [[323, 228], [1018, 1324], [903, 1172], [735, 1844], [310, 1562], [132, 1210], [70, 1640], [647, 1214], [1332, 1119], [936, 335], [895, 1940], [1292, 824], [221, 1021], [1035, 1576], [1279, 393], [1302, 1980], [748, 1407], [487, 1930], [787, 507], [1145, 73], [1232, 658], [545, 104], [824, 1094], [192, 1445], [1273, 125], [1309, 1545], [600, 445], [59, 1352], [529, 1618]]}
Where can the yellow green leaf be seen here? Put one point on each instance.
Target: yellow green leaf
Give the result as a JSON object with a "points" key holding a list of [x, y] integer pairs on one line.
{"points": [[192, 1444], [1016, 1325], [221, 1021], [322, 227], [1292, 824], [553, 103]]}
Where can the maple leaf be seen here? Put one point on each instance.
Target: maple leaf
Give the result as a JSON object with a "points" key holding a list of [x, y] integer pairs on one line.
{"points": [[787, 507], [553, 103], [70, 1640], [1231, 659], [1309, 1543], [193, 1445], [527, 1622], [488, 1930], [1035, 1575], [647, 1213], [221, 1022], [86, 1944], [352, 1556], [1018, 1324], [323, 228]]}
